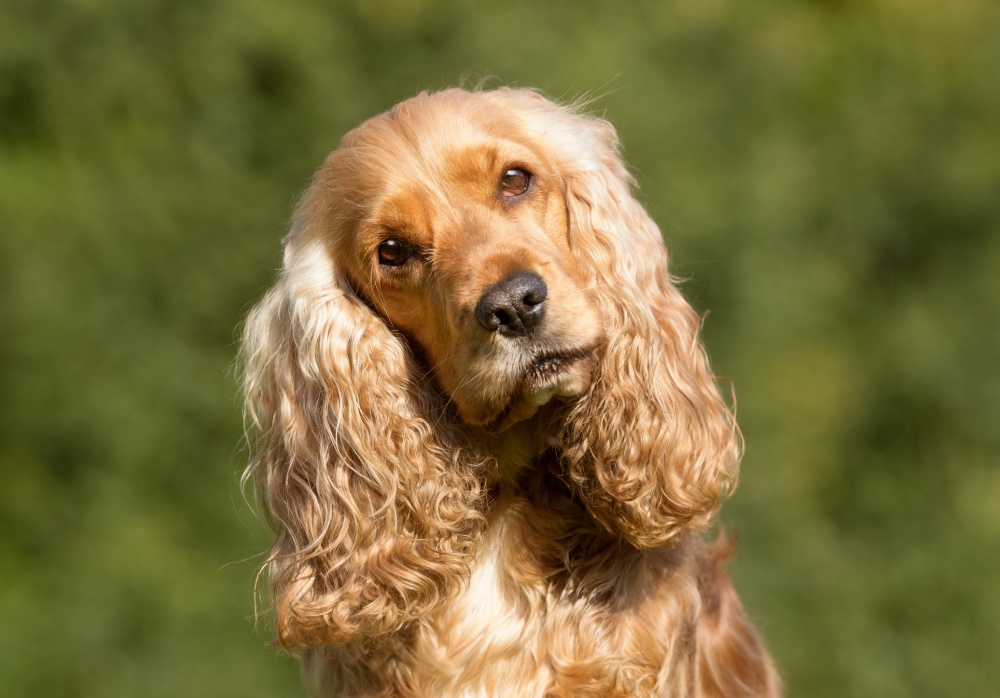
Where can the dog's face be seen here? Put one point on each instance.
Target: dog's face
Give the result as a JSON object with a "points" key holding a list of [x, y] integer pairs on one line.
{"points": [[485, 246], [453, 226]]}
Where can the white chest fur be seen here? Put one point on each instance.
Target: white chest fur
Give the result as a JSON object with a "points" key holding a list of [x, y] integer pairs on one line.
{"points": [[490, 638]]}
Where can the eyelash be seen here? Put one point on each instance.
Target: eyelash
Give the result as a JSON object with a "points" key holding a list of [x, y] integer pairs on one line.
{"points": [[395, 252], [519, 189]]}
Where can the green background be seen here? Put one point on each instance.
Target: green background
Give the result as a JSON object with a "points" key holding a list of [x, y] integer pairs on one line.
{"points": [[826, 174]]}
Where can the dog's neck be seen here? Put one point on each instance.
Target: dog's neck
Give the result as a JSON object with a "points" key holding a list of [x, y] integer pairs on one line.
{"points": [[517, 449]]}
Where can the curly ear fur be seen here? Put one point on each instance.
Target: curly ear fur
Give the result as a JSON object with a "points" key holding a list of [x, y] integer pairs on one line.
{"points": [[374, 500], [652, 448]]}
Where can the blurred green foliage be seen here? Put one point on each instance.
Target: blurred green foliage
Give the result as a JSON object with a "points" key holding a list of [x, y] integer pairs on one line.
{"points": [[826, 173]]}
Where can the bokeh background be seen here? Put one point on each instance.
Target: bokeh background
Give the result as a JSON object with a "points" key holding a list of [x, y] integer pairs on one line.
{"points": [[827, 176]]}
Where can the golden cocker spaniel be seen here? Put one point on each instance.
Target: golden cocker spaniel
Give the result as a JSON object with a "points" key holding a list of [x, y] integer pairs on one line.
{"points": [[489, 438]]}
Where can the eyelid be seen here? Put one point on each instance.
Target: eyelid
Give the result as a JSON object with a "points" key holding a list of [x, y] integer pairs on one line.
{"points": [[394, 252], [528, 181], [420, 255]]}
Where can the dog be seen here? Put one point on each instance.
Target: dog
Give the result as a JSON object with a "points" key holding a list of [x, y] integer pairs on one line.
{"points": [[487, 435]]}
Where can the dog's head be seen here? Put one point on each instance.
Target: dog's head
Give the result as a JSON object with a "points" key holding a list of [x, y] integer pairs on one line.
{"points": [[457, 263], [448, 217]]}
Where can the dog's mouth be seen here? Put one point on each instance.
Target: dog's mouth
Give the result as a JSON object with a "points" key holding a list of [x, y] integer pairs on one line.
{"points": [[548, 369], [551, 375]]}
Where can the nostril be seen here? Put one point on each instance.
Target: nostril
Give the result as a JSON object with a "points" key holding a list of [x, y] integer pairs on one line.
{"points": [[514, 306], [534, 298]]}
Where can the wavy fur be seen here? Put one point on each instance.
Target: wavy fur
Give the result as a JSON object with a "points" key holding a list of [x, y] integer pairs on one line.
{"points": [[652, 449], [376, 507], [466, 511]]}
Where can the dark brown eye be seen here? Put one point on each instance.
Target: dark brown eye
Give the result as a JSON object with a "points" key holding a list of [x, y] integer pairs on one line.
{"points": [[394, 253], [514, 183]]}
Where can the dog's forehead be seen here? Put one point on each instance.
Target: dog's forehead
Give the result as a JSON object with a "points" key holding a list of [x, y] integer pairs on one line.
{"points": [[459, 157], [429, 137], [452, 157]]}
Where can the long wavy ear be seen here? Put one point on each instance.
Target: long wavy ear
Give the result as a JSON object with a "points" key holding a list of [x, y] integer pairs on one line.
{"points": [[652, 448], [374, 501]]}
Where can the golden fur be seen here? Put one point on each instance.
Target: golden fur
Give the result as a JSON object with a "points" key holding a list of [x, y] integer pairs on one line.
{"points": [[462, 511]]}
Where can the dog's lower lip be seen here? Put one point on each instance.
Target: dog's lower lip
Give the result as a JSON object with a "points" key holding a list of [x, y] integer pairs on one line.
{"points": [[548, 367], [541, 377]]}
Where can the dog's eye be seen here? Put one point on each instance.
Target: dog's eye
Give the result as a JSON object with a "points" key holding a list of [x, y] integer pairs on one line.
{"points": [[514, 182], [394, 253]]}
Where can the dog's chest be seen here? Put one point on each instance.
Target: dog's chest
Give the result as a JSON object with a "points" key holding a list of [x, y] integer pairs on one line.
{"points": [[547, 611], [532, 615], [491, 636]]}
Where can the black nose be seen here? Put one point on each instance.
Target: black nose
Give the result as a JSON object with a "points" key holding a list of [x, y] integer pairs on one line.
{"points": [[515, 306]]}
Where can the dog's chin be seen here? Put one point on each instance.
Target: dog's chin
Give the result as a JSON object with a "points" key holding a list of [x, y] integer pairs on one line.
{"points": [[549, 378]]}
